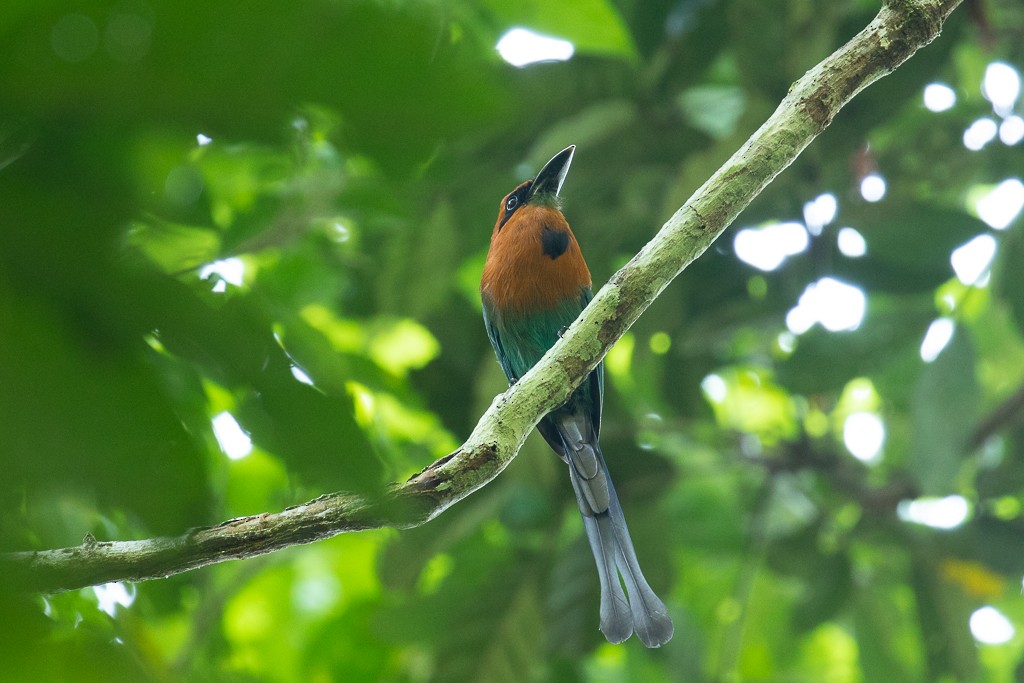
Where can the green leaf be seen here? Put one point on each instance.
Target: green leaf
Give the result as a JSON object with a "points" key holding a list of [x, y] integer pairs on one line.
{"points": [[909, 244], [414, 257], [713, 109], [174, 247], [586, 129], [826, 578], [572, 599], [86, 419], [402, 346], [593, 26], [943, 615], [508, 652], [484, 622], [348, 648], [1009, 281], [315, 433], [885, 348], [943, 412], [886, 650], [403, 558]]}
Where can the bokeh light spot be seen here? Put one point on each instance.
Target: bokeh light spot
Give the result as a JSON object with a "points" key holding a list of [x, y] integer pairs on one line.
{"points": [[660, 343], [74, 38], [786, 341], [235, 443], [872, 187], [851, 243], [127, 37], [971, 261], [939, 513], [939, 97], [836, 305], [1011, 130], [767, 247], [979, 134], [520, 47], [110, 595], [229, 270], [863, 435], [939, 334], [989, 626], [820, 211], [1001, 87], [999, 207], [714, 387], [300, 374]]}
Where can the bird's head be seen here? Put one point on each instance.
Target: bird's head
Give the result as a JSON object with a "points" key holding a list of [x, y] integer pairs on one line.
{"points": [[542, 191], [534, 262]]}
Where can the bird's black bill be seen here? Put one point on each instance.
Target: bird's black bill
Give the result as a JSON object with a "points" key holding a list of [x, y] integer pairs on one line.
{"points": [[550, 179]]}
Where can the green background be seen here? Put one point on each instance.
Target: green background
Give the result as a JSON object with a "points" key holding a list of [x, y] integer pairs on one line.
{"points": [[359, 151]]}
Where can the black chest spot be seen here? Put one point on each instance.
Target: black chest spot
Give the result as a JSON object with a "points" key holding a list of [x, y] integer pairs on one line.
{"points": [[554, 242]]}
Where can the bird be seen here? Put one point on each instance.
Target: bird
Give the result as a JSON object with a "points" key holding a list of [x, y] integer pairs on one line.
{"points": [[534, 285]]}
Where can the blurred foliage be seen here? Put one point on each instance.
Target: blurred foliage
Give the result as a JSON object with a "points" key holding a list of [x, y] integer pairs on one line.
{"points": [[280, 210]]}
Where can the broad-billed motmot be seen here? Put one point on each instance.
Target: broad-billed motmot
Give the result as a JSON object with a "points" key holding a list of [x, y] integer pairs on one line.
{"points": [[535, 283]]}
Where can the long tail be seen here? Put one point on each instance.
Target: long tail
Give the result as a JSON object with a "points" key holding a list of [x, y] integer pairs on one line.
{"points": [[638, 608]]}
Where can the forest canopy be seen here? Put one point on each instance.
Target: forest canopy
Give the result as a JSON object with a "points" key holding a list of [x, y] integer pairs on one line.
{"points": [[240, 255]]}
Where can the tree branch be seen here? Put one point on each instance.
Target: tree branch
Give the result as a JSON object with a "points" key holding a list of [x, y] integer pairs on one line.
{"points": [[1004, 416], [899, 30]]}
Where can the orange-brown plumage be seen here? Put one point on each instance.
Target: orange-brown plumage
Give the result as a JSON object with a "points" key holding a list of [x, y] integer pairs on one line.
{"points": [[519, 276]]}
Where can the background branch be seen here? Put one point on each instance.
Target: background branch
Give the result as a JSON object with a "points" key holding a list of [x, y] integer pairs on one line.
{"points": [[1002, 417], [899, 30]]}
